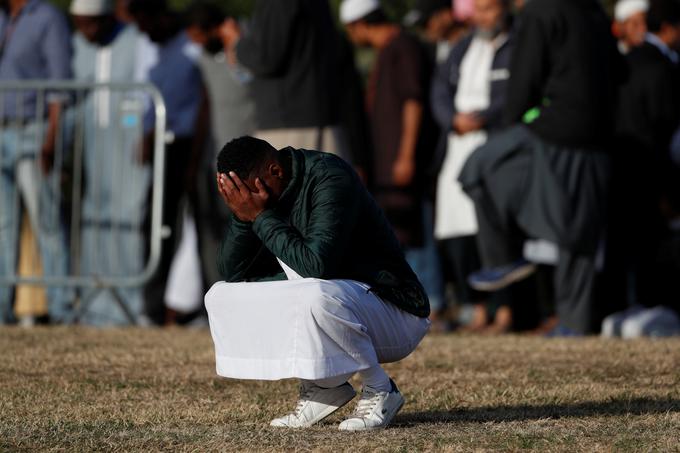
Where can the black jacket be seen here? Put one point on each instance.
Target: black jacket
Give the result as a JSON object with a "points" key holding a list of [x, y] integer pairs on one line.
{"points": [[325, 226], [445, 84], [445, 87], [290, 47], [648, 111], [564, 67]]}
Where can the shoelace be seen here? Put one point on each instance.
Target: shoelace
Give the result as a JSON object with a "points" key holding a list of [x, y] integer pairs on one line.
{"points": [[305, 394], [366, 405]]}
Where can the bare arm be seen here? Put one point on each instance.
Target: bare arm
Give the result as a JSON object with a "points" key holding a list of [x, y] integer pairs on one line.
{"points": [[405, 165], [49, 145]]}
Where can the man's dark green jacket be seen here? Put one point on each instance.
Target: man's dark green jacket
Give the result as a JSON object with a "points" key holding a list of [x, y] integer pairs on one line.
{"points": [[325, 226]]}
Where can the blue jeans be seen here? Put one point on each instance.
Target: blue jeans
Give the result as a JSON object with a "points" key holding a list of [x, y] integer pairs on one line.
{"points": [[22, 179], [425, 262]]}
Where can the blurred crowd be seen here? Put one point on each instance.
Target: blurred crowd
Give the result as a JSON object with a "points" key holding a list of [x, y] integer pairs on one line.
{"points": [[526, 153]]}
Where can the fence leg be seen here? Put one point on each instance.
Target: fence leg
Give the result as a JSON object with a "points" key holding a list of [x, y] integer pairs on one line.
{"points": [[84, 304], [123, 306]]}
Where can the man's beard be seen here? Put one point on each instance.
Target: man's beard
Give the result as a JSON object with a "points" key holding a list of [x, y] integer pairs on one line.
{"points": [[489, 34], [214, 46]]}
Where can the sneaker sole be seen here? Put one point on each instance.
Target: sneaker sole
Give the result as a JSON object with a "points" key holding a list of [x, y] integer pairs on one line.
{"points": [[513, 277], [332, 407]]}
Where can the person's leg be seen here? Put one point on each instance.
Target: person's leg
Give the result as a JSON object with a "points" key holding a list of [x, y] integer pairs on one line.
{"points": [[575, 277], [175, 169], [310, 329], [9, 231], [393, 333], [41, 195], [498, 243]]}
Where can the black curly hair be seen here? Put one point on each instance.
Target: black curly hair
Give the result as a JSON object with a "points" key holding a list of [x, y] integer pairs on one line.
{"points": [[244, 155]]}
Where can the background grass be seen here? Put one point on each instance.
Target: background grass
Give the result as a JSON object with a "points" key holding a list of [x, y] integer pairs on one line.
{"points": [[122, 390]]}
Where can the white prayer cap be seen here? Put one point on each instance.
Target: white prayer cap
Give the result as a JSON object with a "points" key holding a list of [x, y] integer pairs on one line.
{"points": [[626, 8], [353, 10], [91, 7]]}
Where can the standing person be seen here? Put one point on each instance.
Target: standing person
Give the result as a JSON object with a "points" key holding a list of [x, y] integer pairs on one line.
{"points": [[35, 43], [115, 199], [439, 28], [468, 97], [630, 23], [546, 176], [403, 132], [648, 114], [304, 217], [177, 76], [232, 114], [290, 48]]}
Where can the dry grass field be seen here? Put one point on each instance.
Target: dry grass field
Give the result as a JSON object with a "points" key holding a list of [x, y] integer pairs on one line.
{"points": [[129, 390]]}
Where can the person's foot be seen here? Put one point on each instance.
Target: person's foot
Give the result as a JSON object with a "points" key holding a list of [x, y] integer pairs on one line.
{"points": [[480, 320], [502, 322], [315, 404], [439, 321], [375, 409], [497, 278]]}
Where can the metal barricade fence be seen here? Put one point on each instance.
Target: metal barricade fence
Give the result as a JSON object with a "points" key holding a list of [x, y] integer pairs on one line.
{"points": [[72, 157]]}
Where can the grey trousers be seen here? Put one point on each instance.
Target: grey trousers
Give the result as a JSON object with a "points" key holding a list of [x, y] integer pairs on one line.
{"points": [[525, 188]]}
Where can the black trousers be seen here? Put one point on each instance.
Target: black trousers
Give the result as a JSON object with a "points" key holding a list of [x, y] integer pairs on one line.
{"points": [[174, 190], [501, 240], [459, 258]]}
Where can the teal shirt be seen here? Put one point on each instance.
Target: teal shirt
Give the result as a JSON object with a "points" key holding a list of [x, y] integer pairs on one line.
{"points": [[327, 226]]}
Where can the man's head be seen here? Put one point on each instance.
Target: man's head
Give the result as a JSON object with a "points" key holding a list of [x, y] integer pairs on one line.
{"points": [[490, 17], [361, 19], [663, 20], [153, 18], [94, 19], [203, 23], [435, 17], [251, 158], [630, 22]]}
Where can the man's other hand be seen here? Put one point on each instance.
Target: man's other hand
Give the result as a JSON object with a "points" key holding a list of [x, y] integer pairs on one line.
{"points": [[403, 171], [467, 122], [47, 156], [243, 202]]}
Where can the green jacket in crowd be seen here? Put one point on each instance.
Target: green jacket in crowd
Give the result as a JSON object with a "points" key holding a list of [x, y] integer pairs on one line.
{"points": [[326, 226]]}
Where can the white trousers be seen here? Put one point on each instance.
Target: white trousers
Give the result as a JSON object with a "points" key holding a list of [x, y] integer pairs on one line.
{"points": [[306, 328]]}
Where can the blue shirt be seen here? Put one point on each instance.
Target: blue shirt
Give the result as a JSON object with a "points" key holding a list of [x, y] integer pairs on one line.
{"points": [[34, 45], [177, 76]]}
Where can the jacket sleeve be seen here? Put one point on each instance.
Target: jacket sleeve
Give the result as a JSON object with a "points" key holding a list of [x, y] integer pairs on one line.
{"points": [[493, 115], [319, 252], [530, 65], [263, 49], [443, 91], [238, 251]]}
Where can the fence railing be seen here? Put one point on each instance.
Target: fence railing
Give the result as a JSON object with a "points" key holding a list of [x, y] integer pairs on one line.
{"points": [[86, 162]]}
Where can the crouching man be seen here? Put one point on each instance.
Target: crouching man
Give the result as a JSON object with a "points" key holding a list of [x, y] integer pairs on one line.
{"points": [[317, 287]]}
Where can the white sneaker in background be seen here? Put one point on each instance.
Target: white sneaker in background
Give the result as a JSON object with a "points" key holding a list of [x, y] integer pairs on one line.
{"points": [[375, 409], [613, 324], [315, 404], [652, 322]]}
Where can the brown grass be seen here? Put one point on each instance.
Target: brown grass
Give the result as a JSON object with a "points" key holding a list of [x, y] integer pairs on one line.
{"points": [[84, 390]]}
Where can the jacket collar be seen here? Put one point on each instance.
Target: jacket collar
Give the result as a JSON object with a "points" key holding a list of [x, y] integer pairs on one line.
{"points": [[291, 191]]}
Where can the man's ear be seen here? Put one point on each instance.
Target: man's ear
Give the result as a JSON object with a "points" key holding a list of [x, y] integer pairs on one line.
{"points": [[275, 170]]}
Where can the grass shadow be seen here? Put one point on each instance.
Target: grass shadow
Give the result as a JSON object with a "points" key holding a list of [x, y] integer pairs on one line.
{"points": [[633, 406]]}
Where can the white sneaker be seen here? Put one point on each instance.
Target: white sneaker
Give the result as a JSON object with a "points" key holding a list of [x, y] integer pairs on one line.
{"points": [[375, 409], [315, 404]]}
